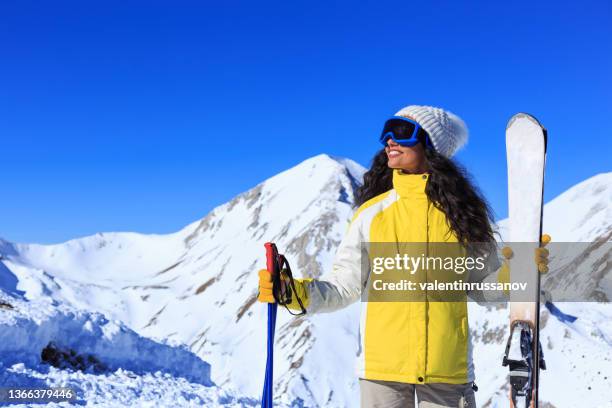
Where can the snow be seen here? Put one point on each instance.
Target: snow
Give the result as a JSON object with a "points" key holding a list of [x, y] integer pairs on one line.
{"points": [[31, 326], [137, 371], [173, 317], [590, 212], [578, 356], [121, 388]]}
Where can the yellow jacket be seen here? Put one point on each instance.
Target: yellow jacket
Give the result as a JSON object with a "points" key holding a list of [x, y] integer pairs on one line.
{"points": [[411, 342]]}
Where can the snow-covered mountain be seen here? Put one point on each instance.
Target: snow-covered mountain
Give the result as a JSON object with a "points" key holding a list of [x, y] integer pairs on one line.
{"points": [[580, 214], [197, 288]]}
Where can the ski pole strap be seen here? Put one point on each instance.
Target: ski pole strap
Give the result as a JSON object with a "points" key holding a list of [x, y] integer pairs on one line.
{"points": [[563, 317], [284, 298]]}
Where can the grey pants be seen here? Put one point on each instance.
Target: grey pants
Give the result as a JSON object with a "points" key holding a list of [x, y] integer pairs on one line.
{"points": [[389, 394]]}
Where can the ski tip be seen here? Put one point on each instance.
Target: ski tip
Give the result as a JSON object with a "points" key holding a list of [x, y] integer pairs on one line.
{"points": [[523, 115]]}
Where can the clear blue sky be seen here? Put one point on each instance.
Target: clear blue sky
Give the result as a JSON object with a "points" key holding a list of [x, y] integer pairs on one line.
{"points": [[143, 116]]}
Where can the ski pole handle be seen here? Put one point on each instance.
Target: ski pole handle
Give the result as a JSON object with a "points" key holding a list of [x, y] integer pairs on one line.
{"points": [[271, 258]]}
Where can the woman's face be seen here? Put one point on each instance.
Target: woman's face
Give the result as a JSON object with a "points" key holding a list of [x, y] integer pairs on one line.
{"points": [[410, 159]]}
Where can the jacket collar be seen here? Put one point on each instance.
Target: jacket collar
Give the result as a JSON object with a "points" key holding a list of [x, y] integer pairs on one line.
{"points": [[409, 185]]}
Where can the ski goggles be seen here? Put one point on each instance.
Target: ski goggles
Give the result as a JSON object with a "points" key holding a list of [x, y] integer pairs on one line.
{"points": [[404, 132]]}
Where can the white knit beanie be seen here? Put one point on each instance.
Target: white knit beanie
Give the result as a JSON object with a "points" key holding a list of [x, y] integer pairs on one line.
{"points": [[447, 131]]}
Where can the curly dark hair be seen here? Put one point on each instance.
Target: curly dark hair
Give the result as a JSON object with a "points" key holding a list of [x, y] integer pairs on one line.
{"points": [[450, 190]]}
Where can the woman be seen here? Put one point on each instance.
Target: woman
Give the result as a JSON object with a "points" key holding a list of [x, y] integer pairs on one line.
{"points": [[413, 193]]}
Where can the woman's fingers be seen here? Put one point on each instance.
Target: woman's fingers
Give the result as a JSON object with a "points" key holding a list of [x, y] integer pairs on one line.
{"points": [[507, 252], [265, 279], [543, 268], [541, 254], [265, 287]]}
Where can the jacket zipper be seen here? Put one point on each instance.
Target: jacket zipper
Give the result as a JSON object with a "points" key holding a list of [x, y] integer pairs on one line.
{"points": [[426, 298]]}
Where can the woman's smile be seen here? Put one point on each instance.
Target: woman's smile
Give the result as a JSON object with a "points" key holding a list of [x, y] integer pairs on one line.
{"points": [[409, 159], [393, 152]]}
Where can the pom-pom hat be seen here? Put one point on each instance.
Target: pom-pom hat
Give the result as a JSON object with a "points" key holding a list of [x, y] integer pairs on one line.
{"points": [[447, 131]]}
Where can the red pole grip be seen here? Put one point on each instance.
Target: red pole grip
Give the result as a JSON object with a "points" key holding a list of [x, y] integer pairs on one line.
{"points": [[271, 257]]}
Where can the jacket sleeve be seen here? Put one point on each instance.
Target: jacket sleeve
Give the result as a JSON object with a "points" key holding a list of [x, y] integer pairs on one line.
{"points": [[342, 285], [494, 272]]}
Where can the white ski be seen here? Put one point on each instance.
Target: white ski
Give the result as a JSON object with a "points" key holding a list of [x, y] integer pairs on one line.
{"points": [[526, 155]]}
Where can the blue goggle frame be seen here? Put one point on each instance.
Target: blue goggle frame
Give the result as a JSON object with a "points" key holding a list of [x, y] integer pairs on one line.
{"points": [[403, 141]]}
